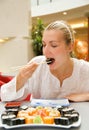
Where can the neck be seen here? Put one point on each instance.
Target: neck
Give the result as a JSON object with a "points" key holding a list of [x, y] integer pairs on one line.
{"points": [[64, 71]]}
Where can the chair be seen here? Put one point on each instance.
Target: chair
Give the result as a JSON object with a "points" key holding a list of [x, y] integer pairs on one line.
{"points": [[5, 79]]}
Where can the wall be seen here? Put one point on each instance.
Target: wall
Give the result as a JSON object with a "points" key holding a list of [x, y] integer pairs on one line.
{"points": [[15, 20], [45, 7]]}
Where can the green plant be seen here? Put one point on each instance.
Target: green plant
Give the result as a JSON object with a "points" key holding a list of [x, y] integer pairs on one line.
{"points": [[37, 37]]}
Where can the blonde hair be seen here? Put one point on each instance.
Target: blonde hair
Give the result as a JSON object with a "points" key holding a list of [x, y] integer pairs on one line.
{"points": [[65, 27]]}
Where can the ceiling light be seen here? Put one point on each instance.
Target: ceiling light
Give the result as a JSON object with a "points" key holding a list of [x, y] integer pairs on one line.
{"points": [[64, 13]]}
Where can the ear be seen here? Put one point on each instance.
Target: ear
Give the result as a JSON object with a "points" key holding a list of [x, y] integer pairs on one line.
{"points": [[71, 46]]}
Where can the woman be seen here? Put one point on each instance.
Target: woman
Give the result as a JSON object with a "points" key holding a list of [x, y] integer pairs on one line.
{"points": [[63, 77]]}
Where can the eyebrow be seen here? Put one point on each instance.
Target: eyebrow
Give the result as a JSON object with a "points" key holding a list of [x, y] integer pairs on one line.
{"points": [[50, 41]]}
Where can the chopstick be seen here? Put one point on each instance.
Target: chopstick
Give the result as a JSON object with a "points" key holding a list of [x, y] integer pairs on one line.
{"points": [[22, 66]]}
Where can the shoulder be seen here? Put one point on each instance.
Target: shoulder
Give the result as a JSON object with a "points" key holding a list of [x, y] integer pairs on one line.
{"points": [[81, 62], [82, 68]]}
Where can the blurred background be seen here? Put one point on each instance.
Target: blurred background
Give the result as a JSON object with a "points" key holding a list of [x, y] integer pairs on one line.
{"points": [[22, 23]]}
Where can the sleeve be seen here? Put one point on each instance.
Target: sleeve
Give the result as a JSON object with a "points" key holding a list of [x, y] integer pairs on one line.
{"points": [[8, 91]]}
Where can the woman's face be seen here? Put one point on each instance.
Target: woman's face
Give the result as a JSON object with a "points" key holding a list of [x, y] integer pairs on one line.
{"points": [[54, 46]]}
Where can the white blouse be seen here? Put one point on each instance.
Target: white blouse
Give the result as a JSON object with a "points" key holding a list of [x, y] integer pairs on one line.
{"points": [[43, 84]]}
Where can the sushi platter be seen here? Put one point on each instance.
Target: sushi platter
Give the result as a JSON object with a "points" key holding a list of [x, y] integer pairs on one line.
{"points": [[17, 115]]}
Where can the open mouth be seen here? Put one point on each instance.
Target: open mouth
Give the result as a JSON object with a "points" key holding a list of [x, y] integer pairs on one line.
{"points": [[50, 60]]}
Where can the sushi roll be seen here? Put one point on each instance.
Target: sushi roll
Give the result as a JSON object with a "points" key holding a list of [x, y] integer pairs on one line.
{"points": [[67, 111], [29, 119], [6, 118], [75, 112], [21, 120], [59, 108], [24, 107], [48, 120], [37, 120], [13, 122], [62, 121], [17, 121], [49, 60], [12, 111], [69, 117], [75, 117]]}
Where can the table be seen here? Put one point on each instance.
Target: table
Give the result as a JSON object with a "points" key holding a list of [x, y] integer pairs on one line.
{"points": [[81, 107]]}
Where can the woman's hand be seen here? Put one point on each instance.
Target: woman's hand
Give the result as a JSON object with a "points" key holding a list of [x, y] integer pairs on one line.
{"points": [[78, 97], [24, 74]]}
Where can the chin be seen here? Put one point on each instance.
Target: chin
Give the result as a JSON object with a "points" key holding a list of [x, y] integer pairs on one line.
{"points": [[52, 67]]}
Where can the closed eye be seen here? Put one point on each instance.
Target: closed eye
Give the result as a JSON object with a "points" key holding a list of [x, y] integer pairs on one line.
{"points": [[54, 46]]}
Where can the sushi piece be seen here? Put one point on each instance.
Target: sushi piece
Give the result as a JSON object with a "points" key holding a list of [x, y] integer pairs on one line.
{"points": [[21, 121], [29, 119], [69, 117], [67, 111], [10, 105], [12, 111], [49, 60], [24, 107], [59, 108], [37, 120], [13, 121], [75, 117], [48, 120], [17, 121], [6, 118], [75, 112]]}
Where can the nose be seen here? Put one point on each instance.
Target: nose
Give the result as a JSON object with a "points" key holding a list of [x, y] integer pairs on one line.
{"points": [[46, 50]]}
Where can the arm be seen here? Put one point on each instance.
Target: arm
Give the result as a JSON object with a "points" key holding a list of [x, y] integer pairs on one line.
{"points": [[80, 97], [22, 84], [9, 90]]}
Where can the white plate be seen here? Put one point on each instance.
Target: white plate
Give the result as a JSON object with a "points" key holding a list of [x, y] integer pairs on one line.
{"points": [[43, 102], [76, 124]]}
